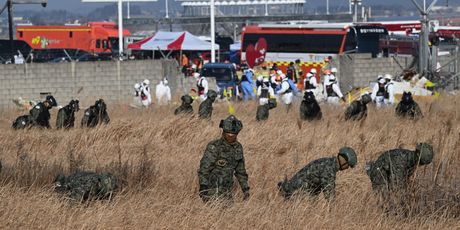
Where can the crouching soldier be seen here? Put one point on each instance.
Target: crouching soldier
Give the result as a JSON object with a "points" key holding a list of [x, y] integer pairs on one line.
{"points": [[205, 110], [66, 115], [222, 159], [186, 106], [309, 108], [319, 175], [40, 115], [21, 122], [408, 108], [95, 114], [358, 108], [83, 186], [393, 168]]}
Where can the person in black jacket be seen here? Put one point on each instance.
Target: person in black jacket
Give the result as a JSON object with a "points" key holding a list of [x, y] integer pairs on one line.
{"points": [[66, 115], [95, 114], [40, 115]]}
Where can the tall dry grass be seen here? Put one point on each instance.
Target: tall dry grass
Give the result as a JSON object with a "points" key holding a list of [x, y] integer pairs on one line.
{"points": [[156, 155]]}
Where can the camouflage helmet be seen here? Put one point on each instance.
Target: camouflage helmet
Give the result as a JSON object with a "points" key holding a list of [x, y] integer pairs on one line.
{"points": [[187, 99], [212, 94], [350, 155], [366, 98], [425, 152], [231, 125]]}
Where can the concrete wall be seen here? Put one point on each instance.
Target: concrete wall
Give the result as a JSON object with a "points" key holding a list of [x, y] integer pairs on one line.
{"points": [[359, 70], [87, 81]]}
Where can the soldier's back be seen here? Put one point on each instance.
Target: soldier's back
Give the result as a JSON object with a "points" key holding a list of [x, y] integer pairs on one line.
{"points": [[392, 167], [205, 109]]}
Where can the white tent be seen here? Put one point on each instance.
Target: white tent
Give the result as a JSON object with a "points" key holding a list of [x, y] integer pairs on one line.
{"points": [[162, 40]]}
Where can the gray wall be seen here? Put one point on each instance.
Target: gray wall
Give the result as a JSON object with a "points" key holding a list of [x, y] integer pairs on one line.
{"points": [[358, 70], [87, 81]]}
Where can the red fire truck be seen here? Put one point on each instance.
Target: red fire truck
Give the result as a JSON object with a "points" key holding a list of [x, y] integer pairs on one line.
{"points": [[95, 37]]}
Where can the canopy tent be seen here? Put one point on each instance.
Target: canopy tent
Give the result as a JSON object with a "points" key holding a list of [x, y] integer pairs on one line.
{"points": [[162, 40]]}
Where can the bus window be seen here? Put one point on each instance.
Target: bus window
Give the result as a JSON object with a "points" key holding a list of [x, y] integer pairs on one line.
{"points": [[98, 44], [105, 44], [297, 43], [70, 34], [350, 41], [368, 38], [20, 34]]}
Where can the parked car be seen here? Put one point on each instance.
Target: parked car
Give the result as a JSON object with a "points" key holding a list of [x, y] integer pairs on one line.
{"points": [[225, 75]]}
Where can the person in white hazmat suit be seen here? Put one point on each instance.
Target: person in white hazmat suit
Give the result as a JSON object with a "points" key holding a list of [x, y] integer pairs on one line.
{"points": [[163, 92], [145, 95], [285, 92], [202, 85], [332, 92], [389, 97], [378, 92]]}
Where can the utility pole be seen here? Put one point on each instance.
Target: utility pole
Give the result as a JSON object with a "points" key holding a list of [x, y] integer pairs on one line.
{"points": [[424, 52], [128, 11], [167, 11], [327, 7], [213, 33], [355, 3]]}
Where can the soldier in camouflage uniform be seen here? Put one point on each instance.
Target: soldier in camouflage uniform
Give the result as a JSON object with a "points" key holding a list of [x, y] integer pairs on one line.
{"points": [[186, 106], [407, 107], [40, 115], [95, 114], [309, 108], [205, 110], [319, 176], [83, 186], [222, 159], [66, 115], [358, 109], [394, 167]]}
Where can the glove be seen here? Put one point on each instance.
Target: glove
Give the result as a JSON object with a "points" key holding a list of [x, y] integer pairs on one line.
{"points": [[246, 195]]}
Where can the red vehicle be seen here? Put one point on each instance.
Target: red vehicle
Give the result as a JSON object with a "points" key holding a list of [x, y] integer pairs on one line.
{"points": [[95, 37], [309, 43]]}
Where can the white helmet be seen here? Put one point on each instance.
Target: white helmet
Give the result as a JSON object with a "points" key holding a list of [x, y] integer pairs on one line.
{"points": [[137, 86], [332, 78], [193, 66], [313, 70], [309, 75], [334, 70], [146, 82], [196, 75], [388, 77], [379, 77], [283, 76], [165, 81], [382, 81], [260, 78], [279, 72]]}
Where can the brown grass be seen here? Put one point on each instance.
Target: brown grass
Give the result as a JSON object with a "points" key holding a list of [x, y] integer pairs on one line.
{"points": [[156, 155]]}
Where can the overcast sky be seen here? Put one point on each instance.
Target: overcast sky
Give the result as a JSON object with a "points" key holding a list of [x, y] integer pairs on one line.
{"points": [[79, 7]]}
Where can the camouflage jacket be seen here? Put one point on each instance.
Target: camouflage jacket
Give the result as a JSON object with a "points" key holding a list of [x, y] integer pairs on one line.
{"points": [[220, 162], [40, 116], [184, 109], [392, 169], [317, 176], [411, 110], [83, 186], [205, 110], [356, 111]]}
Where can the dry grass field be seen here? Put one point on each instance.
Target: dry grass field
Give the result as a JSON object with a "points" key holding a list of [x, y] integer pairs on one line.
{"points": [[156, 155]]}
